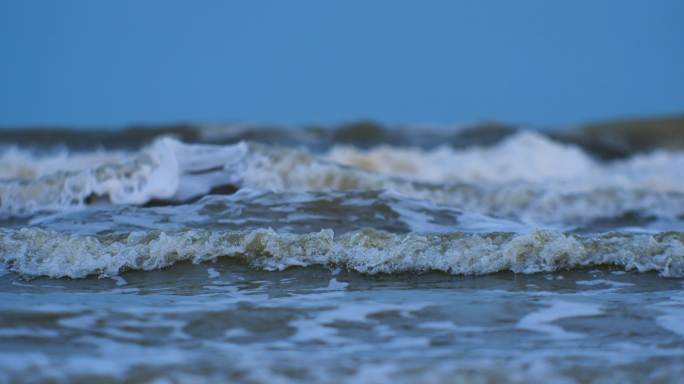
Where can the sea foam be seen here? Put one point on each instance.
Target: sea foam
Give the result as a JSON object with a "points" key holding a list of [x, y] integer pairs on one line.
{"points": [[527, 177], [166, 170], [36, 252]]}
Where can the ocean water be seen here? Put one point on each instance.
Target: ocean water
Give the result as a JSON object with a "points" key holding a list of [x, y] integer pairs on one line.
{"points": [[260, 255]]}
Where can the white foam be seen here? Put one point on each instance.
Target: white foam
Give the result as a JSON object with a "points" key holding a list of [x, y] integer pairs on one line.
{"points": [[237, 332], [524, 157], [318, 327], [335, 286], [21, 163], [36, 252], [673, 319], [645, 185], [249, 209], [23, 285], [527, 177], [167, 170], [451, 327], [419, 216], [603, 281], [540, 321], [119, 280]]}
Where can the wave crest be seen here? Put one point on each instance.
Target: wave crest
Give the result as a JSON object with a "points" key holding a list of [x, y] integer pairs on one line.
{"points": [[36, 252], [526, 177]]}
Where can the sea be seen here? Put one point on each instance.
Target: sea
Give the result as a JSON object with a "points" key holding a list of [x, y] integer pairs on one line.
{"points": [[236, 253]]}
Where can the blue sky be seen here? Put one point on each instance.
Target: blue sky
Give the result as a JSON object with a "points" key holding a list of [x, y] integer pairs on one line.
{"points": [[536, 63]]}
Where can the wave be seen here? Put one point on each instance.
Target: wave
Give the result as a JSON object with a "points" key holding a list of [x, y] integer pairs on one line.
{"points": [[526, 177], [605, 140], [317, 138], [524, 157], [619, 139], [22, 163], [646, 185], [167, 170], [34, 252]]}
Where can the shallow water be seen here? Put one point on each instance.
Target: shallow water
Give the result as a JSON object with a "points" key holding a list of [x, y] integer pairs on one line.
{"points": [[226, 321], [342, 257]]}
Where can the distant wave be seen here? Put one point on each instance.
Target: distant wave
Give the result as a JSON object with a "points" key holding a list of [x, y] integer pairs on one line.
{"points": [[525, 177]]}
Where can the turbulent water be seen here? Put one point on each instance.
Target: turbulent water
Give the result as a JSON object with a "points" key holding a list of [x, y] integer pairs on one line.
{"points": [[263, 255]]}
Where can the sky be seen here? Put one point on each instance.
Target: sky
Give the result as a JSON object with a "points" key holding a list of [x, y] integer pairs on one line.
{"points": [[532, 63]]}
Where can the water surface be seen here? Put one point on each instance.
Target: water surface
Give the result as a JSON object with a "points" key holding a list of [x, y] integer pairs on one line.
{"points": [[252, 255]]}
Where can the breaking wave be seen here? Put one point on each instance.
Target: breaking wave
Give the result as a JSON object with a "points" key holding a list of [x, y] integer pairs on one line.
{"points": [[526, 177], [36, 252]]}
